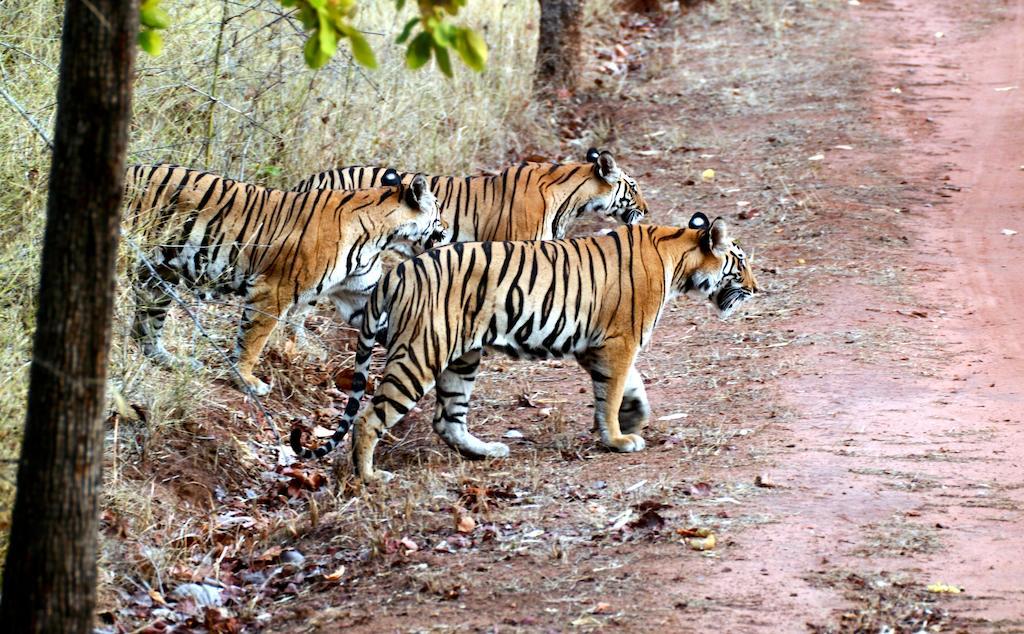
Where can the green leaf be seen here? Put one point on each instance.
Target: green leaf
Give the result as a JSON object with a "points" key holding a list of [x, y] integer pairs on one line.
{"points": [[151, 42], [361, 50], [315, 57], [407, 30], [399, 5], [472, 49], [154, 17], [442, 34], [328, 37], [443, 61], [309, 17], [419, 50]]}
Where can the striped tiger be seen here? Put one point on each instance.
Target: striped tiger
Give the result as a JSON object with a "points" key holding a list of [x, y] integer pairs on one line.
{"points": [[597, 299], [273, 248], [531, 201]]}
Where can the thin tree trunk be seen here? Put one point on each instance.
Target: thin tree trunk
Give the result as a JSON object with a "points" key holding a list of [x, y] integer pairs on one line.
{"points": [[50, 576], [558, 46]]}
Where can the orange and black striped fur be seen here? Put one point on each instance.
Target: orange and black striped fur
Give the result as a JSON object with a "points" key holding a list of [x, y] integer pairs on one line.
{"points": [[532, 201], [597, 299], [274, 248]]}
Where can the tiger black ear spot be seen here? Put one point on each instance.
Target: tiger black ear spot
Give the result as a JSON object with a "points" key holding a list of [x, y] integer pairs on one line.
{"points": [[699, 221], [592, 155], [390, 178]]}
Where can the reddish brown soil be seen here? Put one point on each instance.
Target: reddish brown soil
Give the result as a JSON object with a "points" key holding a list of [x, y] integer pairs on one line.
{"points": [[891, 432], [856, 436]]}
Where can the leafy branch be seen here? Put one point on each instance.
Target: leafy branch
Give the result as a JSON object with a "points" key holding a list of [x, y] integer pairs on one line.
{"points": [[431, 34]]}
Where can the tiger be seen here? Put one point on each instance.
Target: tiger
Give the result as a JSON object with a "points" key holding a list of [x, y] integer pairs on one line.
{"points": [[273, 248], [530, 201], [597, 299]]}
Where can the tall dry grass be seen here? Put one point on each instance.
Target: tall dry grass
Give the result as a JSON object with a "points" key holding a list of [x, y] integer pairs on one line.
{"points": [[250, 109]]}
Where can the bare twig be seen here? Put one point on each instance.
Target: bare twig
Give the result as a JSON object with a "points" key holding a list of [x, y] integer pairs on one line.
{"points": [[26, 116], [208, 142]]}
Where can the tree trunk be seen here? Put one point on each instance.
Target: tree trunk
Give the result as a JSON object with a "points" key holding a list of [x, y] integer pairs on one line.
{"points": [[49, 583], [558, 46]]}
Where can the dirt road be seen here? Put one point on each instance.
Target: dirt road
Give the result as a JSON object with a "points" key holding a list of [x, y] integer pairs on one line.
{"points": [[875, 394], [913, 474]]}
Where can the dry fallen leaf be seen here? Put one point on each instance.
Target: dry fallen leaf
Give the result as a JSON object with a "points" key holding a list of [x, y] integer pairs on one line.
{"points": [[701, 531], [944, 588], [675, 416], [762, 483], [1008, 232], [702, 543], [707, 175], [465, 524], [410, 546], [336, 575], [699, 490]]}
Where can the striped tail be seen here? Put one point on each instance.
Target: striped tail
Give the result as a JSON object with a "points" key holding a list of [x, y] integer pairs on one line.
{"points": [[364, 350]]}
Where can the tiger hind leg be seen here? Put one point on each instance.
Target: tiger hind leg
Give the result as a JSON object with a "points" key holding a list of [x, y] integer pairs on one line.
{"points": [[392, 400], [152, 303], [454, 387]]}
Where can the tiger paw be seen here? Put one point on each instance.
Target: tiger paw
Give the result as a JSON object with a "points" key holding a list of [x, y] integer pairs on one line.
{"points": [[253, 385], [496, 450], [377, 476], [627, 443]]}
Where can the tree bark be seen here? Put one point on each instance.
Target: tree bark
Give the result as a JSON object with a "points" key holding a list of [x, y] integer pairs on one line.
{"points": [[49, 583], [558, 46]]}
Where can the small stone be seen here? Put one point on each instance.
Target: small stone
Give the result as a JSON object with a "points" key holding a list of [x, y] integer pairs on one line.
{"points": [[292, 557], [202, 594]]}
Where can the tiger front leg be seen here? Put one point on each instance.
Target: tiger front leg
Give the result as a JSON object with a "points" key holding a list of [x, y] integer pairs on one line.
{"points": [[393, 400], [610, 371], [635, 409], [259, 318]]}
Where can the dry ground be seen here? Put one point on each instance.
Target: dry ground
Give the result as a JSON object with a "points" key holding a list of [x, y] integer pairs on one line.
{"points": [[832, 439]]}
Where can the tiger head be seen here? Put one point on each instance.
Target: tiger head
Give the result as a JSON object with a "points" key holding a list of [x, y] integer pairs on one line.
{"points": [[420, 226], [718, 270], [617, 195]]}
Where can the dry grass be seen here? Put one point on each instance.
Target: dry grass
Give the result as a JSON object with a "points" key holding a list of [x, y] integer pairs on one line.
{"points": [[271, 120]]}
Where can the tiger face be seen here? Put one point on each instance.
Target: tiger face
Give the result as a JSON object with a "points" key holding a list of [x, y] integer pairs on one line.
{"points": [[718, 269], [619, 195], [422, 226]]}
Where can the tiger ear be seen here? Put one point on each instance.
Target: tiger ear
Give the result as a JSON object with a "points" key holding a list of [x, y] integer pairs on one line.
{"points": [[698, 221], [720, 239], [592, 155], [414, 194], [607, 169], [390, 178]]}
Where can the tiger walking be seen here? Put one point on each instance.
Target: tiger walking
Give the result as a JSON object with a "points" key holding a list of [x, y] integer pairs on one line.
{"points": [[273, 248], [597, 299]]}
